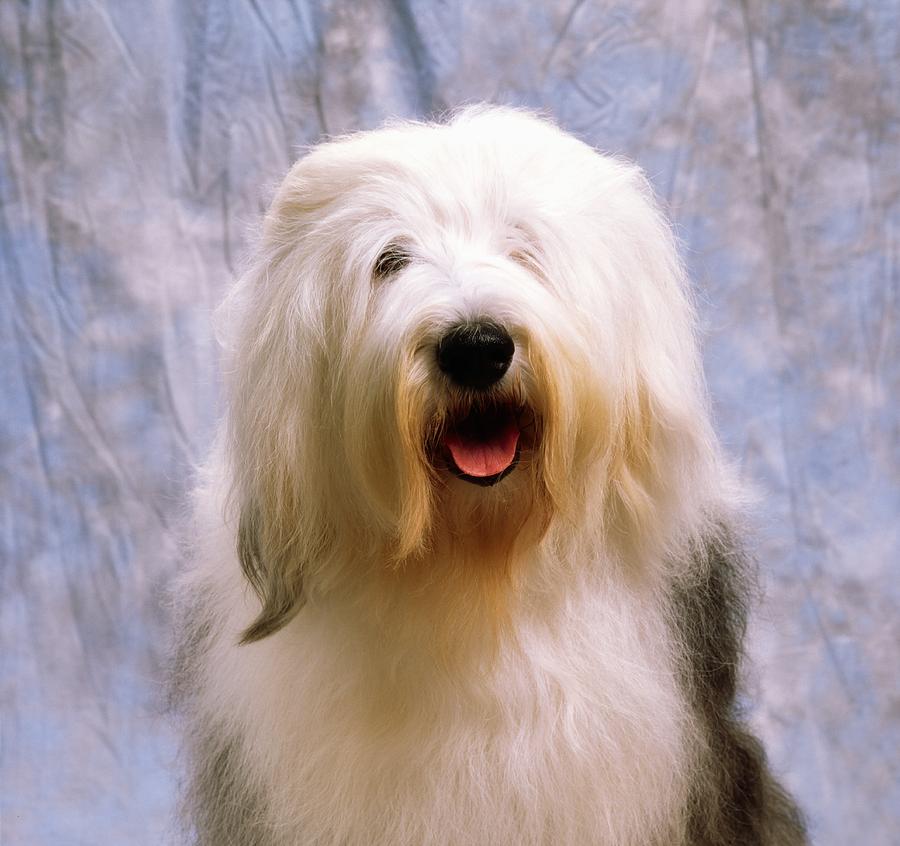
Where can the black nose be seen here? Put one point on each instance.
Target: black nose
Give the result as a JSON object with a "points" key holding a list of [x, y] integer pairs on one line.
{"points": [[475, 355]]}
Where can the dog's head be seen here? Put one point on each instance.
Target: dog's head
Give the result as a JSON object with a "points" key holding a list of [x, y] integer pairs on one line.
{"points": [[457, 342]]}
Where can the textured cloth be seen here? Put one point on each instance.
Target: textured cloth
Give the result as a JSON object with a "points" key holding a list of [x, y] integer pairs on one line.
{"points": [[140, 142]]}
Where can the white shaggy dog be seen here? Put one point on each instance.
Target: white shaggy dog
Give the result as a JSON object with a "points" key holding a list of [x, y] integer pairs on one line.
{"points": [[461, 572]]}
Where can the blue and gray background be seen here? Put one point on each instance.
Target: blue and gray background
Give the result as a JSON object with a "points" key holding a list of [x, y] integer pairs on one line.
{"points": [[140, 141]]}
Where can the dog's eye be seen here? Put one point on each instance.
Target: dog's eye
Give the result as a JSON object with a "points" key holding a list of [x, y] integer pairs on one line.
{"points": [[392, 260], [527, 260], [522, 248]]}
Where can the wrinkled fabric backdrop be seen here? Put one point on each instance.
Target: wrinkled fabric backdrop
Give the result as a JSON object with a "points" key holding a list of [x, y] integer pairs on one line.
{"points": [[140, 144]]}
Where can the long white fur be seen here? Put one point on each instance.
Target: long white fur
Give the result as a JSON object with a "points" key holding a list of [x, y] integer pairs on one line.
{"points": [[434, 689]]}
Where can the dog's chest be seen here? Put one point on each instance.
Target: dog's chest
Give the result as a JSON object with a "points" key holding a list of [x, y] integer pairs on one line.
{"points": [[576, 738]]}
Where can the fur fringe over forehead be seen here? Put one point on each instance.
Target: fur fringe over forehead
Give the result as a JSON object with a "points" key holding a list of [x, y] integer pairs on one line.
{"points": [[462, 571]]}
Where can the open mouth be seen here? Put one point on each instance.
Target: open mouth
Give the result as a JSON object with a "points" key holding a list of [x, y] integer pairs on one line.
{"points": [[482, 447]]}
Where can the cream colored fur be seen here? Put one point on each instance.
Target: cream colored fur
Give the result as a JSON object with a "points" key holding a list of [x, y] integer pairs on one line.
{"points": [[456, 664]]}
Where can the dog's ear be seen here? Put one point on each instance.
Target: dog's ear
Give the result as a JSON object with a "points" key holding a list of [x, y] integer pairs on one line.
{"points": [[278, 587]]}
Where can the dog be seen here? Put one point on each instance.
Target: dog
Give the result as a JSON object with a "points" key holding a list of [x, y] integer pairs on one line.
{"points": [[465, 565]]}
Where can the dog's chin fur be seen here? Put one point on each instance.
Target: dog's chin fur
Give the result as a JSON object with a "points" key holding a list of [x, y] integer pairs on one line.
{"points": [[377, 651]]}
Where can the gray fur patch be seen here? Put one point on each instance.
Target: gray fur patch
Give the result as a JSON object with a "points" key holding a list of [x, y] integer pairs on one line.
{"points": [[735, 799], [219, 805]]}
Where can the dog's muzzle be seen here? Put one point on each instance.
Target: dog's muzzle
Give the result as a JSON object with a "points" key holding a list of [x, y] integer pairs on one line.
{"points": [[481, 445]]}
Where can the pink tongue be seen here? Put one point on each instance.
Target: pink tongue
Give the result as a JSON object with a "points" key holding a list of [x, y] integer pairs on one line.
{"points": [[482, 458]]}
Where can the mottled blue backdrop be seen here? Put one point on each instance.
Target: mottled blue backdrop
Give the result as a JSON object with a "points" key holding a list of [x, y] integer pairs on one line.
{"points": [[139, 144]]}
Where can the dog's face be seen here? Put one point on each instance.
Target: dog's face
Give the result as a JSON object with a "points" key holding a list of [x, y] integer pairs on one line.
{"points": [[455, 338]]}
